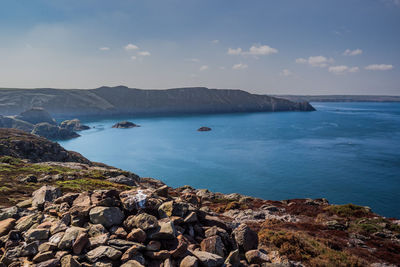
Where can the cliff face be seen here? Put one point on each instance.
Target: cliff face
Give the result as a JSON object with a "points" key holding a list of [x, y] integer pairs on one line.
{"points": [[123, 101]]}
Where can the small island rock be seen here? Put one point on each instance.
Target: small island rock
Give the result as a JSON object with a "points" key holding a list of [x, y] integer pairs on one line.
{"points": [[204, 129], [125, 125], [74, 125]]}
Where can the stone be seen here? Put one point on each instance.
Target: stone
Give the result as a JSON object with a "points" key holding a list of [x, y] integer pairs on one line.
{"points": [[213, 244], [256, 257], [6, 226], [172, 208], [30, 178], [80, 242], [144, 221], [26, 222], [97, 229], [208, 259], [10, 212], [98, 240], [153, 246], [45, 194], [181, 248], [119, 232], [107, 216], [55, 239], [68, 198], [166, 230], [133, 253], [132, 263], [233, 258], [137, 235], [158, 255], [49, 263], [189, 261], [69, 261], [43, 256], [37, 234], [122, 244], [191, 218], [69, 237], [29, 249], [47, 246], [103, 251], [245, 238]]}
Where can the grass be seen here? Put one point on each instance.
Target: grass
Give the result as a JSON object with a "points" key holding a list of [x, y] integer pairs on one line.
{"points": [[88, 184], [302, 247], [373, 225], [348, 210]]}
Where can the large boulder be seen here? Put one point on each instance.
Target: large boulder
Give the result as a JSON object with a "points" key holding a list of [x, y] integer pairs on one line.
{"points": [[36, 115], [73, 125], [51, 131], [43, 194], [107, 216], [246, 238]]}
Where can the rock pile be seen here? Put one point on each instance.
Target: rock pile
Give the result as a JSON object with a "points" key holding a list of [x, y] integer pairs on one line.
{"points": [[150, 225]]}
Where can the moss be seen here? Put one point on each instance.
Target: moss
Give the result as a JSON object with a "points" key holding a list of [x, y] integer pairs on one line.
{"points": [[87, 184], [10, 160], [348, 210]]}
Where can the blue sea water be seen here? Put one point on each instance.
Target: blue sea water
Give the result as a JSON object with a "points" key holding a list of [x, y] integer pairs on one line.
{"points": [[345, 152]]}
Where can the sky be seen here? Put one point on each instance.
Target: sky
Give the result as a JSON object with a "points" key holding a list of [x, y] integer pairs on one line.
{"points": [[261, 46]]}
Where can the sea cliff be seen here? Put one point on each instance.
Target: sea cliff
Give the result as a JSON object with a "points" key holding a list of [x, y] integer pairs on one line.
{"points": [[122, 100], [61, 209]]}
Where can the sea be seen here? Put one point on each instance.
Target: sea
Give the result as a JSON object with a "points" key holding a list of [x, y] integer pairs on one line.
{"points": [[345, 152]]}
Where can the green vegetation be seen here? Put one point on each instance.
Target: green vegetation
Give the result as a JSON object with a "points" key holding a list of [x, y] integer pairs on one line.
{"points": [[348, 210], [10, 160], [373, 225], [302, 247], [87, 184]]}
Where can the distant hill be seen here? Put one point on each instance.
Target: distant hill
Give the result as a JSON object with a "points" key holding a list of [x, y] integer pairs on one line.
{"points": [[340, 98], [122, 100]]}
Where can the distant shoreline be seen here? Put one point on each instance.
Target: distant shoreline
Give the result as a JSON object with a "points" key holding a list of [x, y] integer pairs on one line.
{"points": [[340, 98]]}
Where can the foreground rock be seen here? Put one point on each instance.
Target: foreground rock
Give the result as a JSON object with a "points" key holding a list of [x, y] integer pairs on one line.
{"points": [[125, 125]]}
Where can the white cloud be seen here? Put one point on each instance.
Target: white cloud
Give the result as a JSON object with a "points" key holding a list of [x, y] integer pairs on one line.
{"points": [[286, 72], [354, 69], [240, 66], [215, 41], [203, 68], [342, 69], [144, 53], [255, 50], [133, 57], [379, 67], [354, 52], [316, 61], [232, 51], [301, 60], [104, 48], [130, 47], [261, 50]]}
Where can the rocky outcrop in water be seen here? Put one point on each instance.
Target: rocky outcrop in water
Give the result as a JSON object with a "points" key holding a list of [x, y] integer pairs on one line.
{"points": [[73, 125], [204, 129], [125, 125]]}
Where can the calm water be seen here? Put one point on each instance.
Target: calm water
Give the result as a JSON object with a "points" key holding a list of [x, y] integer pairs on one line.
{"points": [[346, 152]]}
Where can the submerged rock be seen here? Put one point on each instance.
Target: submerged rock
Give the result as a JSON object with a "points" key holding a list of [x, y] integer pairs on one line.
{"points": [[125, 125]]}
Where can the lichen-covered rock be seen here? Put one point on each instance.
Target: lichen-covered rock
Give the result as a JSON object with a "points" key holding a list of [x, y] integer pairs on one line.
{"points": [[45, 194], [208, 259], [213, 244], [256, 257], [69, 237], [103, 252], [107, 216], [245, 238]]}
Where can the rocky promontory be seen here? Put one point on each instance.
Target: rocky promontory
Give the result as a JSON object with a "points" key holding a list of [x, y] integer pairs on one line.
{"points": [[125, 125], [73, 212]]}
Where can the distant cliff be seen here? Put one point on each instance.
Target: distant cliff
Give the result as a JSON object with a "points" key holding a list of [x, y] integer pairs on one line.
{"points": [[340, 98], [122, 100]]}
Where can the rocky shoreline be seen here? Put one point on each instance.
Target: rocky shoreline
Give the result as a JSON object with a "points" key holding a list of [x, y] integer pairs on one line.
{"points": [[60, 209]]}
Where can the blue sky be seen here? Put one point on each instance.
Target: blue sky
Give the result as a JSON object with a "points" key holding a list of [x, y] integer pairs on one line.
{"points": [[266, 47]]}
